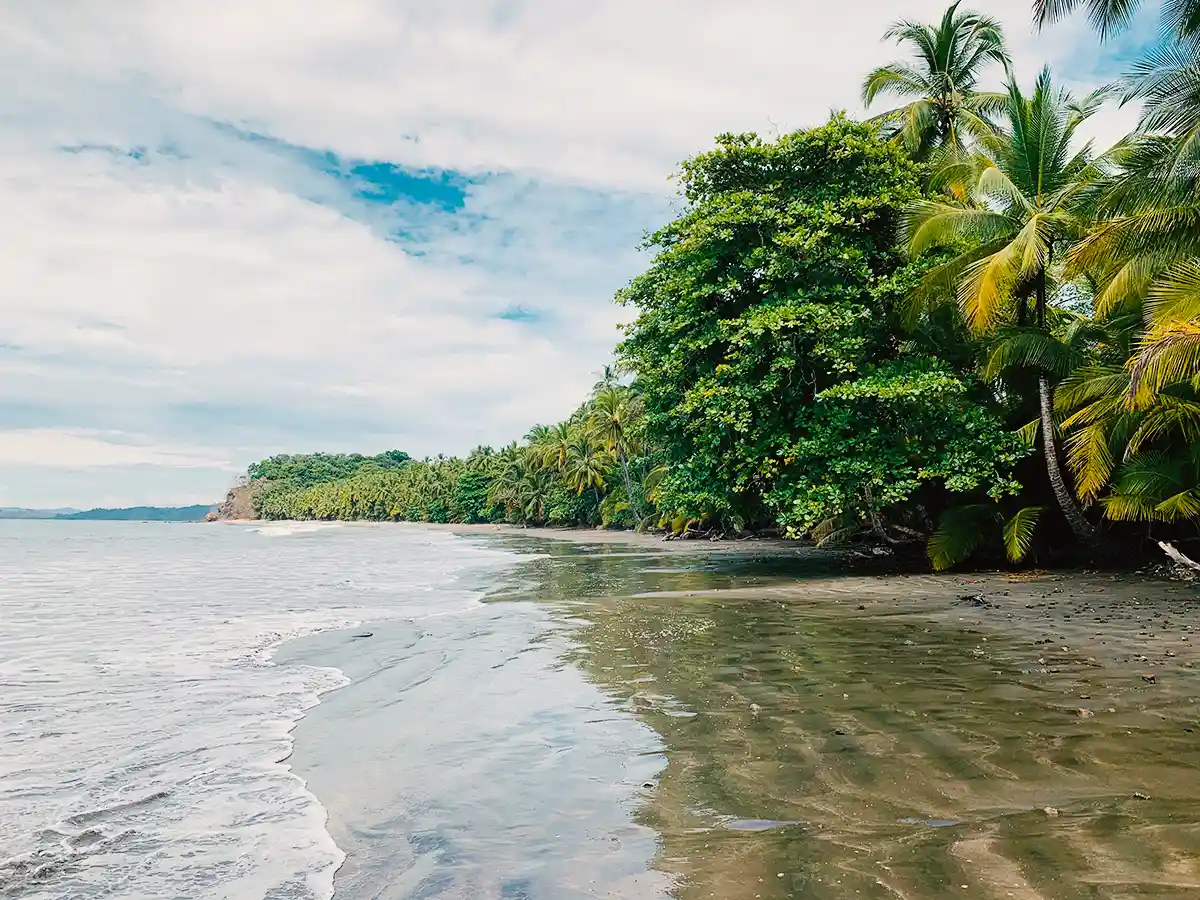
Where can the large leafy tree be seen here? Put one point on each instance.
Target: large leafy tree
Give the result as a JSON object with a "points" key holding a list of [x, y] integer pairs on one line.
{"points": [[940, 83], [1028, 201], [768, 296]]}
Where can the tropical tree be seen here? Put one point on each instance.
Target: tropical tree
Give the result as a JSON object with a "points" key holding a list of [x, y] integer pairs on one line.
{"points": [[1180, 18], [613, 421], [1146, 249], [1027, 202], [940, 83], [586, 467], [556, 445]]}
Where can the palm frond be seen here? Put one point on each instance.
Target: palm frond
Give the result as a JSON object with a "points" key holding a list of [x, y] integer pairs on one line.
{"points": [[986, 287], [1088, 384], [961, 532], [1169, 415], [1028, 433], [927, 224], [1180, 507], [939, 285], [1028, 348], [1019, 531], [1175, 294], [1128, 508], [895, 78], [1089, 454], [1169, 354], [1106, 16]]}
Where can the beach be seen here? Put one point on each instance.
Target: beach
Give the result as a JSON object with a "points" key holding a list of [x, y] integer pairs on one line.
{"points": [[627, 717]]}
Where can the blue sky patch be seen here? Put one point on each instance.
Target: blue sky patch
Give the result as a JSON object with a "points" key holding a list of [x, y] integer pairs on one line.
{"points": [[375, 181], [520, 314]]}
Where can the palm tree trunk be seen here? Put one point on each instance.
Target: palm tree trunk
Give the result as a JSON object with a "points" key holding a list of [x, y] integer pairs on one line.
{"points": [[1079, 524], [637, 507], [1081, 527]]}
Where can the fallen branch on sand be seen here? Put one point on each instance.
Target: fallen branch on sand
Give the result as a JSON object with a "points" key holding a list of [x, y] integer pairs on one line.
{"points": [[1178, 557]]}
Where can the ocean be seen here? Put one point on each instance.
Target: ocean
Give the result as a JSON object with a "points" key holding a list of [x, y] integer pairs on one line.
{"points": [[146, 729]]}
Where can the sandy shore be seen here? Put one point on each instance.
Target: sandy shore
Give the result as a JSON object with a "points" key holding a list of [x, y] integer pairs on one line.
{"points": [[1027, 735], [612, 537], [592, 536], [1123, 622]]}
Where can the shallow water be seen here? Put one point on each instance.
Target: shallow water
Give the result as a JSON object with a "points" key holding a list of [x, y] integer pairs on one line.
{"points": [[142, 726], [525, 720], [582, 742]]}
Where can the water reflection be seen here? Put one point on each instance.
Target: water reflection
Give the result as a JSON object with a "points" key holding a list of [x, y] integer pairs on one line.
{"points": [[819, 756]]}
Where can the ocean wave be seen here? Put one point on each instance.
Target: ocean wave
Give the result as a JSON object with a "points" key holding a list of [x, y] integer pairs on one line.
{"points": [[147, 727]]}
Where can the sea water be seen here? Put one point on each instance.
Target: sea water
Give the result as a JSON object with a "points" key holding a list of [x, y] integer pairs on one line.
{"points": [[144, 731]]}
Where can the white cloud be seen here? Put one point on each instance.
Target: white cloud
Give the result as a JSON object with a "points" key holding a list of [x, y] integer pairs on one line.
{"points": [[611, 93], [225, 299], [85, 450]]}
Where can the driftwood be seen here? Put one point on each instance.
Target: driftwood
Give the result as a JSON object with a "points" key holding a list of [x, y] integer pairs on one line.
{"points": [[1178, 557]]}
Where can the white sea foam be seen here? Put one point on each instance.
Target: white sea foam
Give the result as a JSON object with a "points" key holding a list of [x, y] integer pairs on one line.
{"points": [[145, 729]]}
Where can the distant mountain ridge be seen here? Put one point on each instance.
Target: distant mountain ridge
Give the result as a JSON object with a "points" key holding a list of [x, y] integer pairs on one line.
{"points": [[21, 512]]}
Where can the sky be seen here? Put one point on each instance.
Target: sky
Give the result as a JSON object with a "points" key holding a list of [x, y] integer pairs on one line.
{"points": [[235, 228]]}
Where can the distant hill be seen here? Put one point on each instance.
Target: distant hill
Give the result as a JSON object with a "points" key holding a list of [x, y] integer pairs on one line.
{"points": [[21, 512], [144, 514]]}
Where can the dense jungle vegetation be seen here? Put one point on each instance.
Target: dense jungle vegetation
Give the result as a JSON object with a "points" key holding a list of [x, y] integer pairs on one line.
{"points": [[955, 325]]}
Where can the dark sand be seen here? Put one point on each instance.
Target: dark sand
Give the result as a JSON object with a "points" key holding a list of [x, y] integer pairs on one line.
{"points": [[639, 719]]}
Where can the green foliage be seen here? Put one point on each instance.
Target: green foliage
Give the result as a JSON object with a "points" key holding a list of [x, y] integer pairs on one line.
{"points": [[1019, 532], [863, 328], [766, 346], [875, 442], [314, 468], [580, 472], [961, 532]]}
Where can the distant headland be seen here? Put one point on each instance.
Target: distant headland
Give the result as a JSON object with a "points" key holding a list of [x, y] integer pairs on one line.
{"points": [[195, 513]]}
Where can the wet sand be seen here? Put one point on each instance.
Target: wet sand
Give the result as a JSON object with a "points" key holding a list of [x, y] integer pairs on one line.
{"points": [[743, 723]]}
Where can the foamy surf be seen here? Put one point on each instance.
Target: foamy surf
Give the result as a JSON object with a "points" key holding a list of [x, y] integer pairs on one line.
{"points": [[289, 529], [147, 729]]}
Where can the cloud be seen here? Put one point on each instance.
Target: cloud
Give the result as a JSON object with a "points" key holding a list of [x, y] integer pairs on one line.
{"points": [[612, 93], [240, 229], [84, 450]]}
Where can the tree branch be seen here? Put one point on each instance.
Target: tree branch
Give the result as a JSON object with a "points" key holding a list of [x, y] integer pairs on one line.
{"points": [[1178, 557]]}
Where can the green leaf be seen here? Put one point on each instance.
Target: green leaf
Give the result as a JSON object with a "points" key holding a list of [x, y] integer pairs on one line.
{"points": [[961, 532], [1019, 531]]}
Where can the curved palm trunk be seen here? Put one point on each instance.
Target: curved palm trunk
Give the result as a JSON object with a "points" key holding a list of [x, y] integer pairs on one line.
{"points": [[1074, 515], [1071, 510]]}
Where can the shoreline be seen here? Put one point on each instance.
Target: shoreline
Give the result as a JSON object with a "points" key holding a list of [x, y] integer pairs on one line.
{"points": [[1089, 605], [594, 536], [1117, 649]]}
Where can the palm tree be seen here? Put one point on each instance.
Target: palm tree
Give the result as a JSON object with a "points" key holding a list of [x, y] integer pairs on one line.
{"points": [[614, 411], [943, 106], [586, 466], [1028, 199], [1146, 251], [506, 486], [1180, 18], [537, 435], [610, 376], [533, 493], [556, 444]]}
